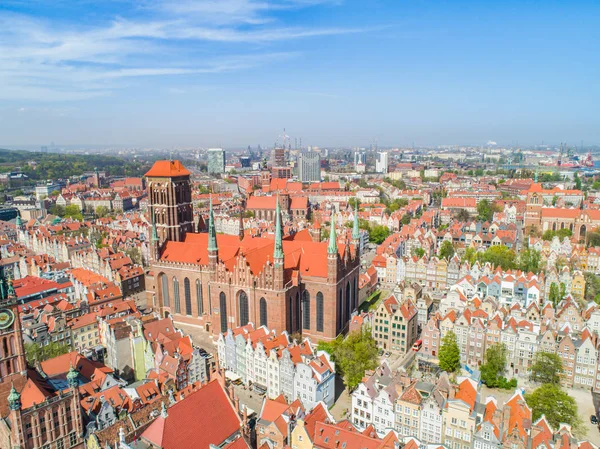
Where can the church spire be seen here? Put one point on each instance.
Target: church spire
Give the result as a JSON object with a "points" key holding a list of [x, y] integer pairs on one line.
{"points": [[355, 228], [278, 253], [212, 233], [332, 248]]}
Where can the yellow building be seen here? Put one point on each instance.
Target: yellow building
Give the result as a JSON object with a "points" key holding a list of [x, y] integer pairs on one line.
{"points": [[578, 285]]}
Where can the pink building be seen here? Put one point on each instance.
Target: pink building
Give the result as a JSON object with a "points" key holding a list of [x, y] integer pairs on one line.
{"points": [[430, 336]]}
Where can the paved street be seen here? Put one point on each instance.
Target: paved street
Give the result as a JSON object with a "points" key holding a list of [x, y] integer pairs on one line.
{"points": [[585, 403], [248, 398], [199, 336]]}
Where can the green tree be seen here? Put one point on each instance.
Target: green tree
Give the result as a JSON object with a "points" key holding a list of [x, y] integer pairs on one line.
{"points": [[493, 368], [55, 193], [577, 181], [72, 211], [593, 238], [378, 234], [529, 260], [35, 353], [563, 290], [546, 367], [354, 202], [57, 210], [556, 405], [354, 355], [592, 286], [134, 254], [419, 252], [554, 296], [405, 220], [462, 215], [485, 210], [499, 255], [446, 250], [102, 211], [470, 255], [561, 234], [449, 354]]}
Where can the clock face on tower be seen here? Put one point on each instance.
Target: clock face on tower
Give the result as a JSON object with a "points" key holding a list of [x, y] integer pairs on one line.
{"points": [[7, 317]]}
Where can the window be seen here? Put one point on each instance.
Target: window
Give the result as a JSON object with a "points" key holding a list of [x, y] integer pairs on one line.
{"points": [[263, 312], [243, 300], [176, 295], [319, 312], [73, 439], [188, 296], [164, 282], [306, 310], [199, 297], [223, 311]]}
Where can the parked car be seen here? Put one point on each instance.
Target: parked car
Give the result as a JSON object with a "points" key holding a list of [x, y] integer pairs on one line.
{"points": [[593, 419]]}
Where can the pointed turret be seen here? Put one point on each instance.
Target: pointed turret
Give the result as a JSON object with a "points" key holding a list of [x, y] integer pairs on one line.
{"points": [[213, 250], [14, 399], [19, 221], [212, 233], [72, 376], [278, 252], [332, 248], [332, 254]]}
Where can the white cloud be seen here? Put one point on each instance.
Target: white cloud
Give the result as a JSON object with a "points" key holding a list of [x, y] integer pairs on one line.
{"points": [[62, 61]]}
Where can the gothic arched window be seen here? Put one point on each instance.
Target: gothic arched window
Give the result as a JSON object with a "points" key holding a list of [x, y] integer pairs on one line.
{"points": [[164, 284], [199, 297], [263, 312], [306, 310], [188, 296], [176, 296], [244, 314], [223, 311], [319, 312]]}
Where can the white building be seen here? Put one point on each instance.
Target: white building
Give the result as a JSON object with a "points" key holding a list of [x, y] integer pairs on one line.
{"points": [[382, 163]]}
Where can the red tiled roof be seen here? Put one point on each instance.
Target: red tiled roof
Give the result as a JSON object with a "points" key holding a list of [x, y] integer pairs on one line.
{"points": [[309, 258], [167, 169], [203, 418]]}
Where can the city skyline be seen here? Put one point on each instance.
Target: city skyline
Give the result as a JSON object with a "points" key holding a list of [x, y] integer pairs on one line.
{"points": [[336, 73]]}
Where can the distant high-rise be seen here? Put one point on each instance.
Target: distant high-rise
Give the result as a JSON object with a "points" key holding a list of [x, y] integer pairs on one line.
{"points": [[245, 161], [278, 157], [381, 164], [309, 166], [360, 157], [216, 161]]}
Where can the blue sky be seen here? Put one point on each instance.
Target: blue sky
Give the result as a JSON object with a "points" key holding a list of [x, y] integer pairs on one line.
{"points": [[235, 72]]}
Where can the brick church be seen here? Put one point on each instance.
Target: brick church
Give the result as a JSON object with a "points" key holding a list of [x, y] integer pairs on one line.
{"points": [[223, 281], [35, 411]]}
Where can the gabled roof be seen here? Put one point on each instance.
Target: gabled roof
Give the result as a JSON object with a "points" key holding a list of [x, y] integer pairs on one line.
{"points": [[203, 418]]}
